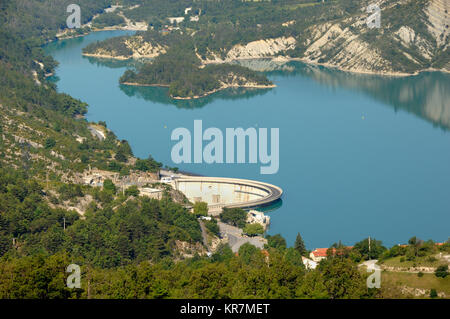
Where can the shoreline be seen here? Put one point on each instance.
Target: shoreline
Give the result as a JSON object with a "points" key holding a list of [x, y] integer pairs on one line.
{"points": [[366, 72], [205, 94], [104, 56], [279, 58], [119, 58], [285, 59]]}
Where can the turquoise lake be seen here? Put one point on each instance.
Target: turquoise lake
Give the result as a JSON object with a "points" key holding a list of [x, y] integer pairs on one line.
{"points": [[360, 155]]}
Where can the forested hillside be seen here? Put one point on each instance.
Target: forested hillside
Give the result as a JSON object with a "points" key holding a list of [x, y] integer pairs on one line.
{"points": [[129, 246], [180, 70], [413, 35]]}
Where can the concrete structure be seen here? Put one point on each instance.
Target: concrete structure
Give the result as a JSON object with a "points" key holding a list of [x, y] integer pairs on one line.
{"points": [[177, 20], [255, 217], [233, 235], [220, 192], [151, 192]]}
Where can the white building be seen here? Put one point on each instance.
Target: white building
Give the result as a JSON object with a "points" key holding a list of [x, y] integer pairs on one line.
{"points": [[309, 264], [172, 20]]}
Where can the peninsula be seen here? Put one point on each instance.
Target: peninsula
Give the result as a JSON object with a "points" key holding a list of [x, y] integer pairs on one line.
{"points": [[187, 78]]}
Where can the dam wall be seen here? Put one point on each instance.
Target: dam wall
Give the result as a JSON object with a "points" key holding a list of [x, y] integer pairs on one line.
{"points": [[219, 192]]}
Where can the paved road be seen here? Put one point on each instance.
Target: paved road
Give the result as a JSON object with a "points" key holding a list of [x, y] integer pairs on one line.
{"points": [[204, 233], [236, 239]]}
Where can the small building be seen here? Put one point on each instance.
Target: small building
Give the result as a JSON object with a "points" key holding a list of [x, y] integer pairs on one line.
{"points": [[318, 254], [309, 264], [255, 217], [321, 253], [174, 20], [151, 192]]}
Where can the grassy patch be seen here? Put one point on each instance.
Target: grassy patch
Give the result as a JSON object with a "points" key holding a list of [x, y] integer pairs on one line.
{"points": [[393, 281], [425, 261]]}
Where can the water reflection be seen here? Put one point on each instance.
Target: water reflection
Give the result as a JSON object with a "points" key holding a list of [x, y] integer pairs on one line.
{"points": [[114, 63], [426, 95], [272, 207], [160, 95]]}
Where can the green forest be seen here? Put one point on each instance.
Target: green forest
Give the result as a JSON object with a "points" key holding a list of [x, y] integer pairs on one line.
{"points": [[127, 245], [180, 70]]}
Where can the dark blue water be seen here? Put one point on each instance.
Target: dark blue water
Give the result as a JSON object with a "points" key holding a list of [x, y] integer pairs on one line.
{"points": [[359, 155]]}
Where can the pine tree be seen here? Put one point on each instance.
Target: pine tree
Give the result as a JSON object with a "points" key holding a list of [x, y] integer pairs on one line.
{"points": [[300, 245]]}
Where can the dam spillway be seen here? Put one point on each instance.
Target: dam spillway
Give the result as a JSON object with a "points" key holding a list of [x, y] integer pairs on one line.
{"points": [[220, 192]]}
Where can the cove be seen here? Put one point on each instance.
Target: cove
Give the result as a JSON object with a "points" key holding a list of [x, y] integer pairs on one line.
{"points": [[360, 155]]}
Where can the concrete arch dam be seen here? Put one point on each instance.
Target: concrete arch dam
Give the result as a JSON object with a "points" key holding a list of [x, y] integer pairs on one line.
{"points": [[221, 192]]}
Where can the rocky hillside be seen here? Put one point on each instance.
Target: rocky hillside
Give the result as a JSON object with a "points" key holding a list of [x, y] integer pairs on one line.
{"points": [[265, 48], [124, 48], [414, 35]]}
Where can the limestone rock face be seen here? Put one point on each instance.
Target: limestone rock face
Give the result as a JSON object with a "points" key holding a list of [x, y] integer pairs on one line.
{"points": [[413, 36], [264, 48], [406, 34], [351, 45], [438, 13], [261, 48]]}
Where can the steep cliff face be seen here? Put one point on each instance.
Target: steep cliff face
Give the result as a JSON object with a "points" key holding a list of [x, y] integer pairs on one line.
{"points": [[414, 35], [337, 46], [254, 50], [438, 14], [125, 48]]}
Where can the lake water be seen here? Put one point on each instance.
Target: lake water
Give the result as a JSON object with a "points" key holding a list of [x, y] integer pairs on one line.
{"points": [[359, 155]]}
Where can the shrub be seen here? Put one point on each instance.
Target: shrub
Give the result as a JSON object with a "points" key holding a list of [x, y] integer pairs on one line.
{"points": [[121, 157], [246, 252], [276, 241], [234, 216], [431, 259], [441, 271], [433, 293], [253, 229], [212, 226], [109, 186], [49, 143], [132, 191], [420, 274], [201, 209]]}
